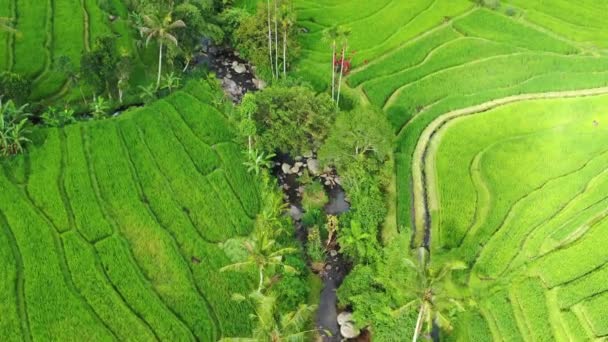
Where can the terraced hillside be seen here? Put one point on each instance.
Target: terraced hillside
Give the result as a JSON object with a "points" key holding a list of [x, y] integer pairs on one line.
{"points": [[525, 206], [517, 191], [49, 30], [112, 230], [420, 59]]}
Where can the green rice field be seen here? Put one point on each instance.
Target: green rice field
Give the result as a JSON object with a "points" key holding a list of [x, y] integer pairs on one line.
{"points": [[501, 160], [113, 229], [50, 29]]}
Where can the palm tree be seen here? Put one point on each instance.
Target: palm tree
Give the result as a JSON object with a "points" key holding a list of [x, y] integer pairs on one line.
{"points": [[287, 20], [276, 39], [256, 161], [148, 94], [429, 293], [343, 33], [12, 128], [272, 327], [171, 82], [270, 39], [263, 254], [160, 29], [331, 35], [99, 106]]}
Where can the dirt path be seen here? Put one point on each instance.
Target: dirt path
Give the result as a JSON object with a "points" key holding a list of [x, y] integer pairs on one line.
{"points": [[425, 200]]}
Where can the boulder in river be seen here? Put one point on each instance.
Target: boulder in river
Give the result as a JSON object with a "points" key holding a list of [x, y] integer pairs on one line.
{"points": [[345, 317], [314, 167], [238, 67], [349, 330], [286, 168], [259, 84]]}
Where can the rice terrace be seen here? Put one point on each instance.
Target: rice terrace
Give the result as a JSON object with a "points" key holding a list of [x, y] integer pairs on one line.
{"points": [[303, 170]]}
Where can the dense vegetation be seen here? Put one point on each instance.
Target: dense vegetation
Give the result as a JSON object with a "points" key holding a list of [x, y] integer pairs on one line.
{"points": [[468, 136]]}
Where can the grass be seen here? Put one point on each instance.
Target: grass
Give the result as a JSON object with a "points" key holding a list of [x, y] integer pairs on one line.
{"points": [[503, 235], [113, 227], [49, 30]]}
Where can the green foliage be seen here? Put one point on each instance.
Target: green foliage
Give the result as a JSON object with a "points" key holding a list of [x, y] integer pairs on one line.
{"points": [[97, 66], [15, 87], [13, 128], [292, 119], [362, 134], [55, 117]]}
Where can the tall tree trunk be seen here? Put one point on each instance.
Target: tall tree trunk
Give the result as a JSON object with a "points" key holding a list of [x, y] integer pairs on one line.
{"points": [[160, 63], [341, 73], [270, 40], [333, 71], [276, 39], [285, 52], [418, 323]]}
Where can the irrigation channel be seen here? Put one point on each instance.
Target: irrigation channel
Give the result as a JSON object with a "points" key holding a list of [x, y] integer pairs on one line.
{"points": [[237, 77]]}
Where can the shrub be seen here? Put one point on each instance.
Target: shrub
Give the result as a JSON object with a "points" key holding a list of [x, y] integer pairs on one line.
{"points": [[15, 87]]}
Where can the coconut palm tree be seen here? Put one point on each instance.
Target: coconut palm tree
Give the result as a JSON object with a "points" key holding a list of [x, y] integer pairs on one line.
{"points": [[262, 253], [330, 36], [429, 293], [343, 34], [272, 327], [287, 20], [270, 39], [171, 82], [160, 29], [13, 135]]}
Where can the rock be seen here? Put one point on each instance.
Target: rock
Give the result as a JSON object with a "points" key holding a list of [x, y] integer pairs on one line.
{"points": [[298, 164], [345, 317], [327, 169], [298, 158], [349, 330], [286, 168], [286, 187], [328, 268], [314, 167], [300, 189], [328, 183], [295, 168], [239, 68], [307, 154], [112, 17], [231, 87], [295, 213], [333, 253], [337, 180], [229, 75], [259, 84]]}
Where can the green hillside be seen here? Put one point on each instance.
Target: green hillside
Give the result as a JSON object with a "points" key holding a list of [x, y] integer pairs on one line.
{"points": [[112, 229]]}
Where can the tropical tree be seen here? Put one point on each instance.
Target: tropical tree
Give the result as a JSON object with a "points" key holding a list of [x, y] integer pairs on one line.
{"points": [[272, 326], [276, 38], [264, 254], [287, 21], [257, 161], [343, 34], [66, 66], [160, 29], [13, 134], [270, 39], [171, 81], [429, 293], [330, 36], [148, 93], [99, 107]]}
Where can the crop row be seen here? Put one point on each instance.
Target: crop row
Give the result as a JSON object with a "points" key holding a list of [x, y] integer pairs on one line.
{"points": [[54, 309], [578, 22]]}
